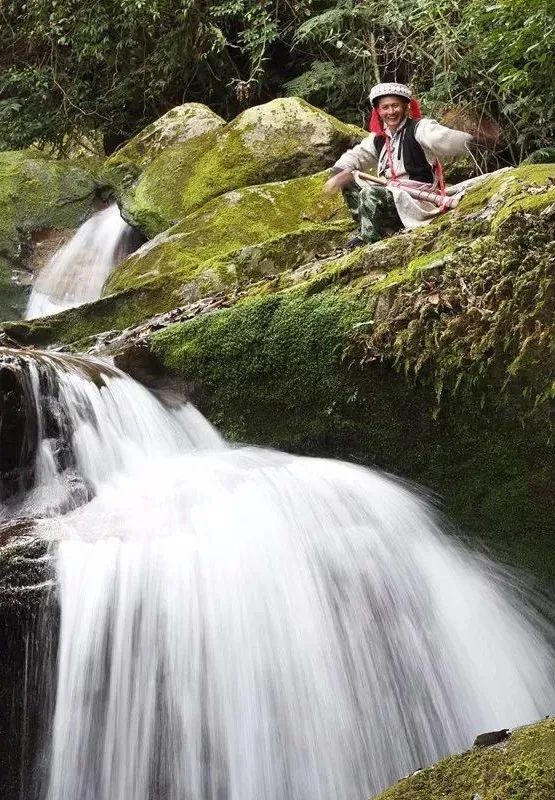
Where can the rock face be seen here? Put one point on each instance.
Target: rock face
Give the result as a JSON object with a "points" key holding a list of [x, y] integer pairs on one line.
{"points": [[279, 140], [18, 431], [520, 768], [35, 193], [175, 127], [26, 575]]}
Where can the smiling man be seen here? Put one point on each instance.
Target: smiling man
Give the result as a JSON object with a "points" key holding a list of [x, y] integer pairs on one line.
{"points": [[405, 150]]}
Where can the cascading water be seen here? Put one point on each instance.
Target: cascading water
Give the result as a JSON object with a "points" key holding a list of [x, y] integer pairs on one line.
{"points": [[78, 270], [239, 624]]}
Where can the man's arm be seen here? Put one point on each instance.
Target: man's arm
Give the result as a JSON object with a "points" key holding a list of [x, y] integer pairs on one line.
{"points": [[443, 141], [361, 157]]}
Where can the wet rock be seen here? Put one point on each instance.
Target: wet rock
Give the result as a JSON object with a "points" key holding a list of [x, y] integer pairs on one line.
{"points": [[26, 568], [18, 428], [41, 247], [27, 606], [493, 737]]}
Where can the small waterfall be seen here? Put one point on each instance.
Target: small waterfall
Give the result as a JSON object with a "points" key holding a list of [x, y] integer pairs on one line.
{"points": [[78, 271], [240, 624]]}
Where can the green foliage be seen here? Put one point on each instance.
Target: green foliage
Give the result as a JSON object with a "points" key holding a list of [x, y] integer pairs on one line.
{"points": [[479, 58], [69, 68], [113, 66]]}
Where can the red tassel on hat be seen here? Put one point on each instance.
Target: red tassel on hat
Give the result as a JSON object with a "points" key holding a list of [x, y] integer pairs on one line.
{"points": [[414, 108], [375, 125]]}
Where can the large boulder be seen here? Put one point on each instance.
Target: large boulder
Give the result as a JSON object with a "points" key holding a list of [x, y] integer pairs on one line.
{"points": [[35, 193], [521, 767], [177, 126], [272, 142]]}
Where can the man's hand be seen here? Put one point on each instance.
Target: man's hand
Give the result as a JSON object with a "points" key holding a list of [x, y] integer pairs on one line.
{"points": [[488, 133], [337, 182]]}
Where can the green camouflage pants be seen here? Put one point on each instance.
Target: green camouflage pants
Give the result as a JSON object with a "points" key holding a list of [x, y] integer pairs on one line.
{"points": [[373, 208]]}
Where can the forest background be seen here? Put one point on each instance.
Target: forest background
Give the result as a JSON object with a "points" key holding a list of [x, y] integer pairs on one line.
{"points": [[98, 71]]}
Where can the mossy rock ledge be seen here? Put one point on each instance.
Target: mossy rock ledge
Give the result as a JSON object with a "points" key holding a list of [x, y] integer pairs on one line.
{"points": [[36, 193], [520, 768], [429, 355], [266, 143]]}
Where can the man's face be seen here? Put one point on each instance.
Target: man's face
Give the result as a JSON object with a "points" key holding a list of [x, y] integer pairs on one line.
{"points": [[392, 111]]}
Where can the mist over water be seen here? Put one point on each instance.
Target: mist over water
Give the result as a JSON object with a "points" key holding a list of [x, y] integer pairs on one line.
{"points": [[79, 269], [241, 624]]}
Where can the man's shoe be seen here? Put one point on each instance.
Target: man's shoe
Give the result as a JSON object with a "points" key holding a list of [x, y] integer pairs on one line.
{"points": [[356, 241]]}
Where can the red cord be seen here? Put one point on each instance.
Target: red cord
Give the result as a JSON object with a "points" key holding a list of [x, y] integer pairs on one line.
{"points": [[438, 169]]}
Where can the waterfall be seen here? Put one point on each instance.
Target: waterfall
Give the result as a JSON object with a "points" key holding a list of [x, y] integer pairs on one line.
{"points": [[78, 270], [242, 624]]}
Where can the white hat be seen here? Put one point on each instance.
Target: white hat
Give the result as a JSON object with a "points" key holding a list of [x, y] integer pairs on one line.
{"points": [[386, 89]]}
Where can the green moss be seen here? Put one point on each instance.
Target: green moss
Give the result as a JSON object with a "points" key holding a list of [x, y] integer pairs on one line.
{"points": [[504, 187], [484, 321], [225, 226], [274, 259], [521, 768], [175, 127], [413, 269], [529, 204], [36, 192], [77, 325], [286, 349], [266, 143]]}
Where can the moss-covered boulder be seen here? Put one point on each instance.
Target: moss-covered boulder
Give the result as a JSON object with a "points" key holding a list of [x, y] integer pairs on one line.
{"points": [[206, 252], [271, 142], [521, 767], [175, 127], [35, 193], [231, 242]]}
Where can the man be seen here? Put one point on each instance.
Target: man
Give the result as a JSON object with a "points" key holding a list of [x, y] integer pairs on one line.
{"points": [[406, 150]]}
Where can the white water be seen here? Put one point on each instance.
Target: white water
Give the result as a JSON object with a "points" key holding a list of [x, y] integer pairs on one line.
{"points": [[239, 624], [79, 269]]}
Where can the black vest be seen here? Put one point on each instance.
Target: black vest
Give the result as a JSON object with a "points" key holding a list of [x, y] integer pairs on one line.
{"points": [[414, 158]]}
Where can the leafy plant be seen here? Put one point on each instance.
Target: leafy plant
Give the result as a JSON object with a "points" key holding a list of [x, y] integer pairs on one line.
{"points": [[68, 68]]}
